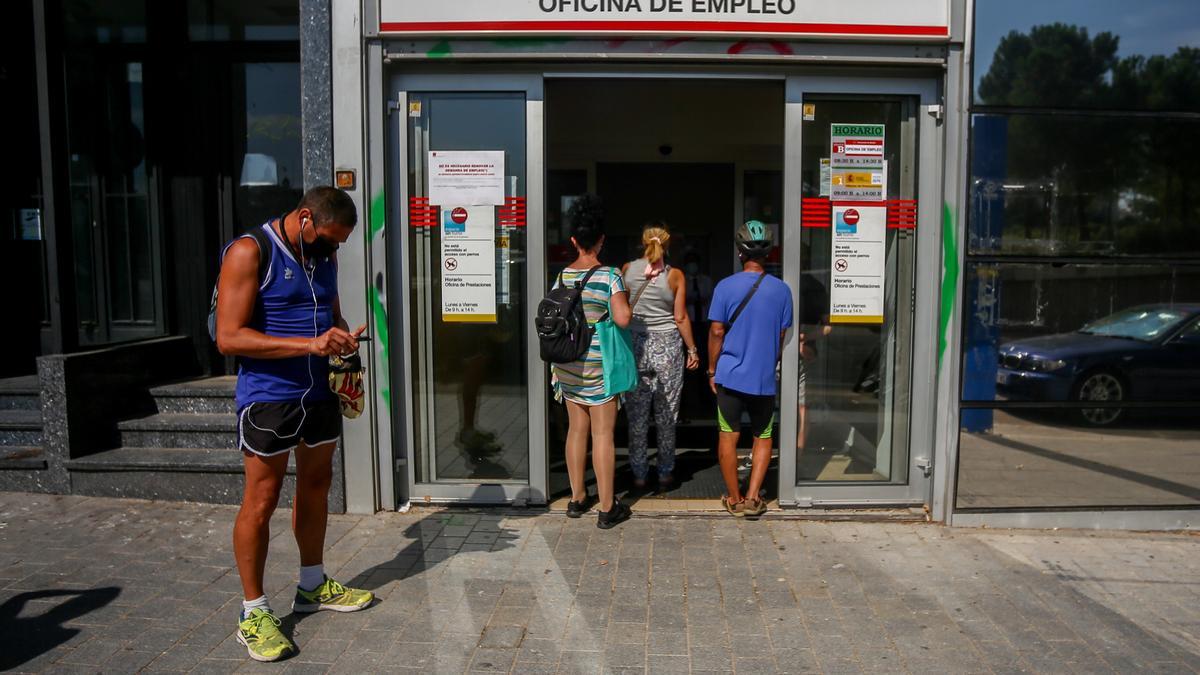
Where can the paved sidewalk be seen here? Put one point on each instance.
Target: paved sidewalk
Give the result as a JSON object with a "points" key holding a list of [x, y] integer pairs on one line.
{"points": [[104, 585]]}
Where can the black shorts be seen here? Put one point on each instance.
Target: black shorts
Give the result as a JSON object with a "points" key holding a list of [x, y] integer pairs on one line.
{"points": [[267, 429], [731, 404]]}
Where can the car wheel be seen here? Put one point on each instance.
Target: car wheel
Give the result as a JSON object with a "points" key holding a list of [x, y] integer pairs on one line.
{"points": [[1100, 385]]}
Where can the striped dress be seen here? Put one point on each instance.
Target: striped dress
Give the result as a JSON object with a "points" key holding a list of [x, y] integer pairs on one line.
{"points": [[582, 381]]}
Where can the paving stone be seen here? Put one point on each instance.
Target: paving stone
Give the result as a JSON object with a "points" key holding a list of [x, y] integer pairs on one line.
{"points": [[322, 650], [707, 658], [670, 643], [625, 656], [179, 657], [581, 663], [539, 650], [493, 660], [93, 652], [490, 592], [371, 640], [133, 661], [622, 633], [210, 666], [754, 666], [502, 637], [668, 665]]}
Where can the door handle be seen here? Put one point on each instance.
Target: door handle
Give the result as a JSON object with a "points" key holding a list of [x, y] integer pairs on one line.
{"points": [[925, 465]]}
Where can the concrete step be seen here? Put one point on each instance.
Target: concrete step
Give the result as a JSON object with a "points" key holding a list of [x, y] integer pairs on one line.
{"points": [[194, 460], [24, 469], [20, 393], [212, 475], [20, 428], [180, 430], [16, 457], [204, 395]]}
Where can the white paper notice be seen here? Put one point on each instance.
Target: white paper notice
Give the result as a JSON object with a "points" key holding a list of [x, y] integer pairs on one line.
{"points": [[856, 157], [826, 177], [859, 236], [469, 264], [469, 178]]}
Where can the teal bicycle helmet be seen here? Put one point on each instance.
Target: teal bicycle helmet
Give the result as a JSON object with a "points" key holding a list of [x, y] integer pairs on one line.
{"points": [[754, 239]]}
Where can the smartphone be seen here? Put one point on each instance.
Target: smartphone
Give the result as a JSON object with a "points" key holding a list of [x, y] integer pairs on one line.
{"points": [[364, 338]]}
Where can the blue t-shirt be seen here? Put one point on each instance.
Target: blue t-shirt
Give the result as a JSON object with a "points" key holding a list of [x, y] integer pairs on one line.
{"points": [[751, 349]]}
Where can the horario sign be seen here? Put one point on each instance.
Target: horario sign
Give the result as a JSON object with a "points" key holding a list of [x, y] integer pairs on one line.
{"points": [[892, 20]]}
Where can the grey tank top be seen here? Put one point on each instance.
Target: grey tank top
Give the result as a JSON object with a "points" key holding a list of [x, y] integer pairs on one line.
{"points": [[655, 308]]}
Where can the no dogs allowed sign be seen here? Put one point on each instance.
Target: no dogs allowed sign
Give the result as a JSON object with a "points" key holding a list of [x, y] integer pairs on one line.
{"points": [[469, 264], [858, 255]]}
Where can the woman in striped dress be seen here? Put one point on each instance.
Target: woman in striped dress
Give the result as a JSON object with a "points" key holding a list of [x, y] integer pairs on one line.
{"points": [[580, 384]]}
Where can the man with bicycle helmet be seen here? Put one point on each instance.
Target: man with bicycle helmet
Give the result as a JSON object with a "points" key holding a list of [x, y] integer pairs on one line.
{"points": [[750, 314]]}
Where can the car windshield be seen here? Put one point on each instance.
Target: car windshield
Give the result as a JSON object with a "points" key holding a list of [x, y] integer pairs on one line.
{"points": [[1138, 324]]}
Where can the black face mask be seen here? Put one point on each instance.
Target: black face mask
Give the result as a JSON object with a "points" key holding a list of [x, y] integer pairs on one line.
{"points": [[319, 248]]}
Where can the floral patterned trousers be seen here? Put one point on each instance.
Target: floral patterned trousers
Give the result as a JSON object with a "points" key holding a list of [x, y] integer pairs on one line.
{"points": [[660, 364]]}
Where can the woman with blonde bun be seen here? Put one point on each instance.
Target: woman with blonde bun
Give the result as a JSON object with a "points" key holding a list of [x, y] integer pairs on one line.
{"points": [[661, 330]]}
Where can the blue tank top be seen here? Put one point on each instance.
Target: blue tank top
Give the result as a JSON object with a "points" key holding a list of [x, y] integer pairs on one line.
{"points": [[287, 306]]}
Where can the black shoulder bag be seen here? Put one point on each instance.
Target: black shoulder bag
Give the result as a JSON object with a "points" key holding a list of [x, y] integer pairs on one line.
{"points": [[749, 294]]}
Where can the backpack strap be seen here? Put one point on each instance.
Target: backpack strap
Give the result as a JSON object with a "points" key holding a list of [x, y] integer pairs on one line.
{"points": [[582, 283], [260, 237], [738, 312], [264, 252]]}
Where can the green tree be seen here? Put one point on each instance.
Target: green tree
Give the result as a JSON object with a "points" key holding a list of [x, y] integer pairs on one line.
{"points": [[1160, 210], [1070, 167], [1054, 64]]}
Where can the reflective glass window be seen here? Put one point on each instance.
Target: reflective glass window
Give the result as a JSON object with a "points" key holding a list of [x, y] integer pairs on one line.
{"points": [[22, 231], [105, 21], [1081, 333], [1088, 53], [270, 176], [1084, 186], [1023, 459], [230, 20]]}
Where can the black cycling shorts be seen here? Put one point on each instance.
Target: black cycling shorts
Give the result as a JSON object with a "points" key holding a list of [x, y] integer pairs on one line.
{"points": [[731, 404], [267, 429]]}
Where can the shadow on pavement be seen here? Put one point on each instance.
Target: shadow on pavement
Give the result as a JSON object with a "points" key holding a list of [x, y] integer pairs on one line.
{"points": [[414, 558], [26, 638]]}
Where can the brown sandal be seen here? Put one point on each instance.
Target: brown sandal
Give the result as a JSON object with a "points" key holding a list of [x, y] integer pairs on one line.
{"points": [[736, 509], [755, 507]]}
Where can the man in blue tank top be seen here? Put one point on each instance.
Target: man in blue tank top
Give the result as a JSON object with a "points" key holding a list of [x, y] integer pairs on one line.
{"points": [[283, 323], [750, 314]]}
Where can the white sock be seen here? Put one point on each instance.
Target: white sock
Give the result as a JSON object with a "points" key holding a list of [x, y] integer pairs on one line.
{"points": [[311, 576], [257, 603]]}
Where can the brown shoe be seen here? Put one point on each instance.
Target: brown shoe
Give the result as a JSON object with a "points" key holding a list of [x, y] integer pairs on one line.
{"points": [[734, 508], [755, 507]]}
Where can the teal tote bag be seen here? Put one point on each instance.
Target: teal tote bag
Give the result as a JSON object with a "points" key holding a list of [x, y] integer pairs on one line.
{"points": [[616, 351]]}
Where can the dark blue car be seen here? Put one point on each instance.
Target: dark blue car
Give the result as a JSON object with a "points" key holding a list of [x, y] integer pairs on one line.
{"points": [[1144, 353]]}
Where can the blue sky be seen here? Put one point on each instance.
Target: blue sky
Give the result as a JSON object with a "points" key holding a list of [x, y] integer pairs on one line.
{"points": [[1144, 26]]}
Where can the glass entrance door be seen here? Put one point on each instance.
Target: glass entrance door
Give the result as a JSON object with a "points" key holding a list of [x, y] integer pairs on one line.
{"points": [[860, 176], [468, 265], [115, 223]]}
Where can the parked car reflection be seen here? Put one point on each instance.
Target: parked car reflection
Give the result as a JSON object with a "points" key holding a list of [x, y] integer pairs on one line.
{"points": [[1148, 352]]}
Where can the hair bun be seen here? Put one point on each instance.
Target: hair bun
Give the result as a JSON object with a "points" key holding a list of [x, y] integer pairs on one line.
{"points": [[586, 220]]}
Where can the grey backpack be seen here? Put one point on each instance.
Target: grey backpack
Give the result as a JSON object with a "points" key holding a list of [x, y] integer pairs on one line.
{"points": [[264, 259]]}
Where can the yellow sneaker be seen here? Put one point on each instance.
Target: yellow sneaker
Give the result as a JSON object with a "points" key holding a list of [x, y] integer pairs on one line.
{"points": [[261, 636], [333, 596]]}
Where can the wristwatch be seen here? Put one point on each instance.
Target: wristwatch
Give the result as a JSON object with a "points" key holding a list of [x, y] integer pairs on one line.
{"points": [[711, 373], [693, 352]]}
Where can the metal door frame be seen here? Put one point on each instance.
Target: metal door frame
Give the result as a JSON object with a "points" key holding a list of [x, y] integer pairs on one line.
{"points": [[926, 291], [535, 490]]}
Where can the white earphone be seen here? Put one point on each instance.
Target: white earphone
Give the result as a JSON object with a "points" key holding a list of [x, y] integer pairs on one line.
{"points": [[312, 380]]}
